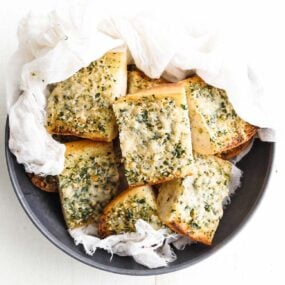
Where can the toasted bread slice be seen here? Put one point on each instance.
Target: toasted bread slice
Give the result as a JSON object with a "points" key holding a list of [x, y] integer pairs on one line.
{"points": [[122, 213], [215, 125], [193, 206], [216, 128], [88, 182], [138, 81], [231, 153], [81, 105], [48, 183], [155, 134]]}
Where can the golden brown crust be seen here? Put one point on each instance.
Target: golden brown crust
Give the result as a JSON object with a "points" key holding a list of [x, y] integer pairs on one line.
{"points": [[65, 139], [47, 184], [231, 153], [75, 146], [249, 132], [184, 230], [102, 226], [94, 137]]}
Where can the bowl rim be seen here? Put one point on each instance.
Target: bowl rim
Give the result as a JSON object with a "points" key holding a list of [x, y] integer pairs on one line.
{"points": [[109, 268]]}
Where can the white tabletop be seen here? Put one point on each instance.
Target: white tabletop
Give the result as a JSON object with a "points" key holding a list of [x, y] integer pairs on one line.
{"points": [[254, 255]]}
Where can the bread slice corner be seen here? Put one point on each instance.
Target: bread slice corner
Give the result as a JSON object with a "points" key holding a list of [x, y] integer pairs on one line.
{"points": [[121, 214]]}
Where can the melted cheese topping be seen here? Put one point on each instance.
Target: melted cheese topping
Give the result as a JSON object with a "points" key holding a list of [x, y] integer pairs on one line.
{"points": [[88, 182], [155, 138], [81, 105], [195, 203]]}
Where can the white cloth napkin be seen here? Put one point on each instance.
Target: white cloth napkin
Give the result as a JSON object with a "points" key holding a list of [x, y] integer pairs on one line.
{"points": [[147, 246]]}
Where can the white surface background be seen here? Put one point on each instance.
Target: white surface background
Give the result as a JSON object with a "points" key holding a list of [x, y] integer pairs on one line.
{"points": [[255, 255]]}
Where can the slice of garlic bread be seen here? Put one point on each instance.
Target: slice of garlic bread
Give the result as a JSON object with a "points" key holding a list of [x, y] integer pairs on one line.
{"points": [[88, 182], [155, 136], [122, 213], [193, 206], [138, 81], [215, 125], [81, 105]]}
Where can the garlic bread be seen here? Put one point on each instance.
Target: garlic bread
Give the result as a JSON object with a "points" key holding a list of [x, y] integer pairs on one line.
{"points": [[138, 81], [193, 206], [88, 182], [215, 126], [122, 213], [81, 105], [154, 131]]}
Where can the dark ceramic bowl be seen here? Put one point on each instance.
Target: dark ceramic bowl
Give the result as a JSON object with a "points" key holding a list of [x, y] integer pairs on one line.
{"points": [[45, 212]]}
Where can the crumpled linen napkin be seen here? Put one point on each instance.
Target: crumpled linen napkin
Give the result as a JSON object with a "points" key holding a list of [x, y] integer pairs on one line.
{"points": [[147, 246]]}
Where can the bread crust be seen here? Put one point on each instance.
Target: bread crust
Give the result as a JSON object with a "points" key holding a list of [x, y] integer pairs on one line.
{"points": [[231, 153], [47, 184], [56, 130], [183, 230], [249, 130], [97, 147]]}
